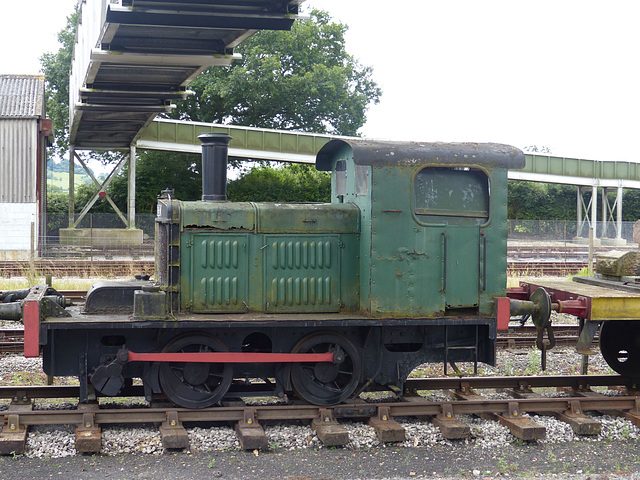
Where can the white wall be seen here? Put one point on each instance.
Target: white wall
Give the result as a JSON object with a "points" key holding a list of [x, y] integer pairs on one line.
{"points": [[15, 227]]}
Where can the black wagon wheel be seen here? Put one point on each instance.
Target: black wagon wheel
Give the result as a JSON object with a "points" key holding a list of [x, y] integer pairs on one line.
{"points": [[195, 385], [322, 383], [620, 346]]}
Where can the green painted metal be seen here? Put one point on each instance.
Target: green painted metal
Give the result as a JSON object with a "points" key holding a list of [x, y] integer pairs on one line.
{"points": [[423, 256], [302, 273], [306, 218], [417, 236], [218, 275], [263, 257], [575, 167], [244, 138], [232, 216]]}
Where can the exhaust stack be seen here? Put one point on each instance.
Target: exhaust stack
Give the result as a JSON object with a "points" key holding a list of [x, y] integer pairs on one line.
{"points": [[215, 151]]}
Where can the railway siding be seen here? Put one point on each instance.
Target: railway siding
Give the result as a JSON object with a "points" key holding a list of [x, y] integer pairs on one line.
{"points": [[514, 411]]}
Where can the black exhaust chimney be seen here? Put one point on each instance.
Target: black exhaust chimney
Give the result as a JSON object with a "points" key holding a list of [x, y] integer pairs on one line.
{"points": [[215, 150]]}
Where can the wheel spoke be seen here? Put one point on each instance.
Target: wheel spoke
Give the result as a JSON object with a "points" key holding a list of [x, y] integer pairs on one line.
{"points": [[206, 384], [178, 371], [322, 383]]}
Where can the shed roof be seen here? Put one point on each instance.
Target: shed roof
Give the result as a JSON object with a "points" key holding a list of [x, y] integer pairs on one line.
{"points": [[21, 96]]}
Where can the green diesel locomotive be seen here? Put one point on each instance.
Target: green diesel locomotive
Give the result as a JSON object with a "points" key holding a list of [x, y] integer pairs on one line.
{"points": [[406, 265]]}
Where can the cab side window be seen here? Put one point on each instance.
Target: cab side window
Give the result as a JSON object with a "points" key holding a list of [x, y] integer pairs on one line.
{"points": [[340, 181], [451, 195]]}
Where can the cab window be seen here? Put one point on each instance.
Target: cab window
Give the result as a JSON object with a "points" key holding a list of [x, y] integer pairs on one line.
{"points": [[341, 177], [451, 195]]}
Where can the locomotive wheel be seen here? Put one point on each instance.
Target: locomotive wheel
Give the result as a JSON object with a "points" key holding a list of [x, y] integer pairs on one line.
{"points": [[195, 385], [326, 383], [620, 346]]}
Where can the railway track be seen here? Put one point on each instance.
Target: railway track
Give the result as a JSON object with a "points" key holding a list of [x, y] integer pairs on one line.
{"points": [[535, 266], [77, 267], [513, 412]]}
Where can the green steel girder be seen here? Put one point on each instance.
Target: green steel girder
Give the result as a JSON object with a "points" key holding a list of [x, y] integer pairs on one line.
{"points": [[285, 146], [575, 167], [247, 142]]}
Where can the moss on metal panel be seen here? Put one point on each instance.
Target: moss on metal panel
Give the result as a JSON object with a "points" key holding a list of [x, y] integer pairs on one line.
{"points": [[219, 215], [307, 218]]}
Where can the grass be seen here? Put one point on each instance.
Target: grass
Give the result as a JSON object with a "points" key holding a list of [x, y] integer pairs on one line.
{"points": [[60, 180], [66, 283]]}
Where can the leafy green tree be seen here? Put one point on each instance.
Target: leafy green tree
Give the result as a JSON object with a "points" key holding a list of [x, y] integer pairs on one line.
{"points": [[156, 171], [631, 205], [541, 201], [56, 68], [302, 80], [291, 183]]}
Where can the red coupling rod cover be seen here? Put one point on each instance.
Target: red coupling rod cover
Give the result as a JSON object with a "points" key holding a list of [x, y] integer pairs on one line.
{"points": [[231, 357]]}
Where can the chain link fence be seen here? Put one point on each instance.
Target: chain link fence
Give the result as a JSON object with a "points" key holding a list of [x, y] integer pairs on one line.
{"points": [[565, 231]]}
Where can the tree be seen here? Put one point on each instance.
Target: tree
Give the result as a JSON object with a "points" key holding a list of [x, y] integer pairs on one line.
{"points": [[291, 183], [541, 201], [156, 171], [302, 80], [56, 68]]}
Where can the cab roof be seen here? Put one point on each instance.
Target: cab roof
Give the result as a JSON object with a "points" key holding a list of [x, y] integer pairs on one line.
{"points": [[383, 153]]}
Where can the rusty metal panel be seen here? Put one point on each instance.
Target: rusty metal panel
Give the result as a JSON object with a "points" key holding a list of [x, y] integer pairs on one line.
{"points": [[219, 215], [18, 160], [307, 218]]}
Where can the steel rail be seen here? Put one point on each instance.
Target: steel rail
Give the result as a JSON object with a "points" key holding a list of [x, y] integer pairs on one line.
{"points": [[512, 407], [577, 382]]}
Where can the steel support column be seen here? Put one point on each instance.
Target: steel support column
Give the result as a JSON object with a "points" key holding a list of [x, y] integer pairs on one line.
{"points": [[605, 212], [612, 214], [594, 210], [72, 155], [131, 196], [619, 214], [587, 212]]}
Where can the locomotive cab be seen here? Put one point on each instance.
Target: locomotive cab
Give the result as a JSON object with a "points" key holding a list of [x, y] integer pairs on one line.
{"points": [[433, 222]]}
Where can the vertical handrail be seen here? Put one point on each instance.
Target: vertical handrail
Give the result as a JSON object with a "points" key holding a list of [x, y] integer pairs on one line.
{"points": [[484, 260], [444, 261]]}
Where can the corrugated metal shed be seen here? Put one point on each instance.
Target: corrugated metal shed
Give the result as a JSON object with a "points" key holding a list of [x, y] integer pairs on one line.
{"points": [[21, 110], [21, 96]]}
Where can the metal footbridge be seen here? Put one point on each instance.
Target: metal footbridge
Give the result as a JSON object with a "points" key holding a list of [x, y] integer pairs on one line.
{"points": [[134, 58]]}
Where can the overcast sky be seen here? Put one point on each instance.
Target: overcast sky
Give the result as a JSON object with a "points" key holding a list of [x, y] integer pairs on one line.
{"points": [[563, 74]]}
